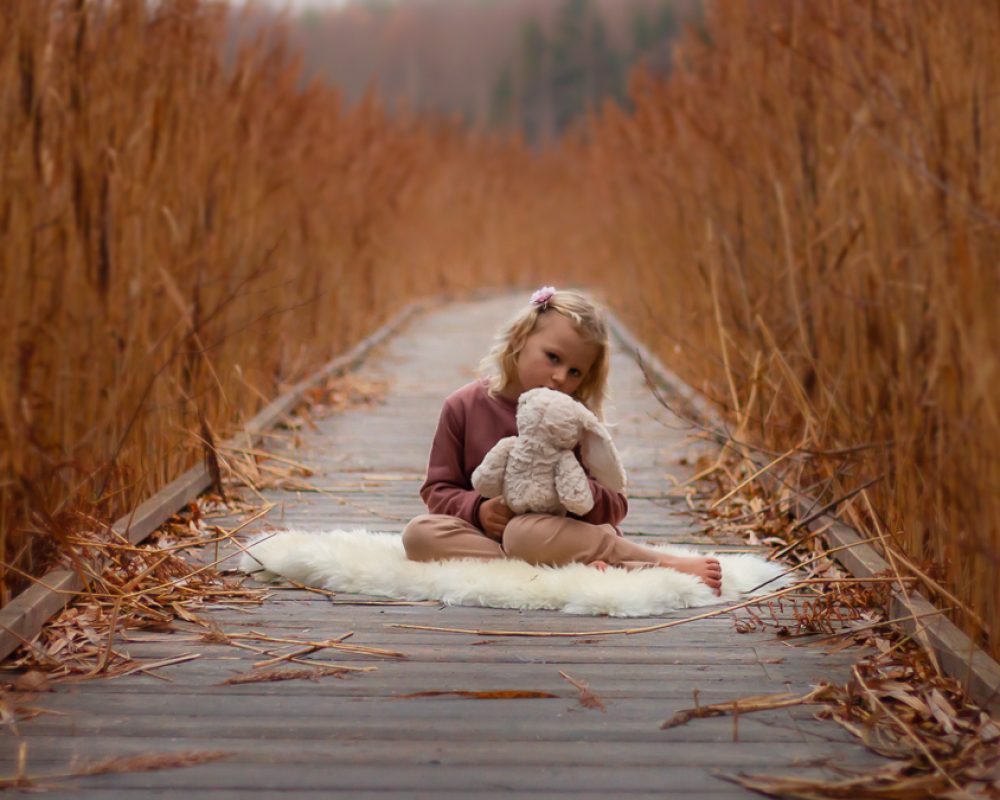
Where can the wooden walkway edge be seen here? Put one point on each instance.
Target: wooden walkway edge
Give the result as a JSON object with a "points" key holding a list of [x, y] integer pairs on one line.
{"points": [[959, 657], [403, 727], [23, 617]]}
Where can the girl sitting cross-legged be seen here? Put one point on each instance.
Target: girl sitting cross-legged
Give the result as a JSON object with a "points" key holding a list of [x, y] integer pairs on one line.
{"points": [[559, 341]]}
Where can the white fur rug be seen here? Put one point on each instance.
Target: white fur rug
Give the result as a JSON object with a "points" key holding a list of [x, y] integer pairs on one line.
{"points": [[364, 562]]}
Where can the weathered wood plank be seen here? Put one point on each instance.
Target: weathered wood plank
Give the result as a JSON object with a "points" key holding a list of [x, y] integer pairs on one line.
{"points": [[443, 657], [558, 719], [412, 793], [354, 736], [668, 695], [397, 704], [349, 778], [56, 749]]}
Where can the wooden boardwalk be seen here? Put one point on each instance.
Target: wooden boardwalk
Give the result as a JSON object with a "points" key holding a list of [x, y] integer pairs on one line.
{"points": [[356, 736]]}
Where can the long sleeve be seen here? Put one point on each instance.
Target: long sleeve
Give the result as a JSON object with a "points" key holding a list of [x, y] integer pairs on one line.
{"points": [[447, 489], [609, 507], [471, 423]]}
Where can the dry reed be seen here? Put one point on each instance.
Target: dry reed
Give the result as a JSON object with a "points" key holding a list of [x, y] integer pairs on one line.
{"points": [[180, 239], [802, 220]]}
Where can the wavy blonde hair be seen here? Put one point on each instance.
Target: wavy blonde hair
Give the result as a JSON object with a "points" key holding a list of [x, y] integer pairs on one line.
{"points": [[588, 319]]}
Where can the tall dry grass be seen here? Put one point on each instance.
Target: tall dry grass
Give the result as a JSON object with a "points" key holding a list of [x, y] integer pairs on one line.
{"points": [[177, 241], [807, 218], [803, 221]]}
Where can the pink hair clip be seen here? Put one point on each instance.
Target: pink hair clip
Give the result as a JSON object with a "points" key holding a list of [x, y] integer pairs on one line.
{"points": [[542, 296]]}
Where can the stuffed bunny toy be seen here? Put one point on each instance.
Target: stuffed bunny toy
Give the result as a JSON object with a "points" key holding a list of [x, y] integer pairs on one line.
{"points": [[536, 471]]}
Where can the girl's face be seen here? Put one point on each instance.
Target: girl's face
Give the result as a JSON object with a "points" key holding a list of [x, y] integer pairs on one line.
{"points": [[554, 356]]}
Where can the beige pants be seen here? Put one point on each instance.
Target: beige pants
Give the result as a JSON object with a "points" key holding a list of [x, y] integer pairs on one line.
{"points": [[535, 538]]}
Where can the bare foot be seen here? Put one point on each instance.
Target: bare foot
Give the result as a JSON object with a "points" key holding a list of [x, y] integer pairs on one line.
{"points": [[600, 566], [705, 567]]}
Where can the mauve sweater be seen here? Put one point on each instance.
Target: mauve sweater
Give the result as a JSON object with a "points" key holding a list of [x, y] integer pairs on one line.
{"points": [[471, 422]]}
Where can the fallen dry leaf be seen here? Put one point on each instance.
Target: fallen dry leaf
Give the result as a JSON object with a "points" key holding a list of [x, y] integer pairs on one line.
{"points": [[587, 698], [32, 681], [146, 762], [503, 694], [744, 705], [264, 676]]}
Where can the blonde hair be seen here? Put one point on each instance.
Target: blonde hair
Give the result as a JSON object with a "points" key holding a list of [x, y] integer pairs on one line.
{"points": [[589, 322]]}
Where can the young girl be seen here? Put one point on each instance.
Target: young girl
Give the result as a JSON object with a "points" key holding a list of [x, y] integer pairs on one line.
{"points": [[560, 341]]}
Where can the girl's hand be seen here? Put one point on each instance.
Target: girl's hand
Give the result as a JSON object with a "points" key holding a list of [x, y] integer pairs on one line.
{"points": [[494, 516]]}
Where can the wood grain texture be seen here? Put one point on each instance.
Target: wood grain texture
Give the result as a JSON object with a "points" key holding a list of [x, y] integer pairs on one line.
{"points": [[357, 736]]}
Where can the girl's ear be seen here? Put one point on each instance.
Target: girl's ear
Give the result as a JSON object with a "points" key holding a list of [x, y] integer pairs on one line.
{"points": [[599, 454]]}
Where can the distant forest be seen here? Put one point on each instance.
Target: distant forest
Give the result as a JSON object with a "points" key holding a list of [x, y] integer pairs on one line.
{"points": [[533, 65]]}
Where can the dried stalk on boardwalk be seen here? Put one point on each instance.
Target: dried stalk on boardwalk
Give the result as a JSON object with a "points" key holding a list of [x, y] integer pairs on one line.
{"points": [[146, 762], [897, 702], [940, 747], [743, 705], [587, 697], [132, 588]]}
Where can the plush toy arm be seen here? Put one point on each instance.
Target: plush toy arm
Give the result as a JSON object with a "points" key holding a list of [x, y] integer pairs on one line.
{"points": [[572, 485], [488, 476]]}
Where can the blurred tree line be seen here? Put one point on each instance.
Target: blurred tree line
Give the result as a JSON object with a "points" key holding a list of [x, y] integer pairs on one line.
{"points": [[532, 65], [555, 75]]}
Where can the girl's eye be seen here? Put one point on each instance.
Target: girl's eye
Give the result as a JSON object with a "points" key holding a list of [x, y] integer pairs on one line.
{"points": [[575, 373], [552, 356]]}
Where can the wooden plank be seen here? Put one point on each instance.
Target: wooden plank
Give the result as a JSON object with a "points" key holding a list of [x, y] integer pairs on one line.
{"points": [[56, 749], [347, 778], [687, 399], [366, 688], [412, 793], [612, 682], [483, 721], [402, 707], [434, 657], [442, 647], [716, 790], [374, 752], [678, 692]]}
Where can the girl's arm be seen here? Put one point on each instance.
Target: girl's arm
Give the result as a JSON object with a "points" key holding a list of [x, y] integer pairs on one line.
{"points": [[447, 489]]}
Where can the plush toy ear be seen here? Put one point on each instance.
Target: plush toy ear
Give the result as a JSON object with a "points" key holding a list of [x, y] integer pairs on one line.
{"points": [[599, 454]]}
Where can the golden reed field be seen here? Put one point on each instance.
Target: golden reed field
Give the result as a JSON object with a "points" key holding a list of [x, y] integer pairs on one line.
{"points": [[803, 221]]}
